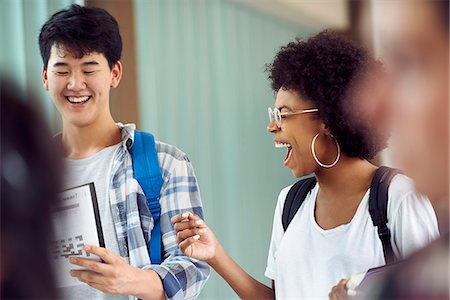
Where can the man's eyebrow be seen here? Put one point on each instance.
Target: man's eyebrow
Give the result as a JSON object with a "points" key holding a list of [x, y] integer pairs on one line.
{"points": [[60, 64], [90, 63]]}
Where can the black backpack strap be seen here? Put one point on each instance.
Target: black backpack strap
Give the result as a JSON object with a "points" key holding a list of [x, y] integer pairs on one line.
{"points": [[295, 198], [378, 201]]}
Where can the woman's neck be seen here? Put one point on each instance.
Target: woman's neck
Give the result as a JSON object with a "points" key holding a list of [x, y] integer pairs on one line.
{"points": [[349, 177]]}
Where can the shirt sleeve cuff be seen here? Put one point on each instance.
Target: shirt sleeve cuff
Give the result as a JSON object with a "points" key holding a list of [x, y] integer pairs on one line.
{"points": [[171, 285]]}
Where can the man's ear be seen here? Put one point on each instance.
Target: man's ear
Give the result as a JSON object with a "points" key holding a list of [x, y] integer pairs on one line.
{"points": [[116, 74], [44, 78]]}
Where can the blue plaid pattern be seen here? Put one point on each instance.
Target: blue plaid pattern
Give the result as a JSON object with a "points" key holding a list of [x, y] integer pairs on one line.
{"points": [[182, 277]]}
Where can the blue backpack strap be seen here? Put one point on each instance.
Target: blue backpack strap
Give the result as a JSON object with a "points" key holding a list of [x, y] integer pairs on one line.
{"points": [[148, 174]]}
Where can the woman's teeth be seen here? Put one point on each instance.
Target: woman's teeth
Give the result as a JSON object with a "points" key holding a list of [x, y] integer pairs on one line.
{"points": [[282, 145], [79, 99]]}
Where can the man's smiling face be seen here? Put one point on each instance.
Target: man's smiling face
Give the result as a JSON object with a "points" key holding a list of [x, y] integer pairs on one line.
{"points": [[80, 87]]}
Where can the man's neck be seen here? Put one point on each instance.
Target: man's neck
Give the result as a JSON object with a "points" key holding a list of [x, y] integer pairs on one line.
{"points": [[82, 142]]}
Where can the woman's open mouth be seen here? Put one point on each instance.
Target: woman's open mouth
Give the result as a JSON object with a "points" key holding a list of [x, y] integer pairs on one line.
{"points": [[288, 153]]}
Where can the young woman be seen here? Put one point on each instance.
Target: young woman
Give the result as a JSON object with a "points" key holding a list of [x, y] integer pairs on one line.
{"points": [[332, 235]]}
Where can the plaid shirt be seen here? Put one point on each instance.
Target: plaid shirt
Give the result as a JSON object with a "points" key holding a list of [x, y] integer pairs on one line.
{"points": [[182, 277]]}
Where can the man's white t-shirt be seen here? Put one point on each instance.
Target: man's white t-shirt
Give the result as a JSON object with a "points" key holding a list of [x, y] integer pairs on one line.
{"points": [[96, 169], [306, 261]]}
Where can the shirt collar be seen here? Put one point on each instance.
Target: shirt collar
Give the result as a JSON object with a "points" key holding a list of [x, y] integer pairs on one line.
{"points": [[127, 131]]}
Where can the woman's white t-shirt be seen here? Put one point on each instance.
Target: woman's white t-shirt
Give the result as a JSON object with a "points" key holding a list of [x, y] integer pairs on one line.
{"points": [[306, 261]]}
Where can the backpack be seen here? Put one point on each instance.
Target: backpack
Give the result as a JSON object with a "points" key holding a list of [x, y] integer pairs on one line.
{"points": [[378, 200], [148, 174]]}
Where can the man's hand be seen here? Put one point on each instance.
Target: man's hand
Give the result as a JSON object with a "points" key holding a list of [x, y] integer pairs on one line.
{"points": [[114, 275], [339, 292]]}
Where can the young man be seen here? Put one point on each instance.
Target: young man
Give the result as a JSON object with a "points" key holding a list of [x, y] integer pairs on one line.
{"points": [[81, 49]]}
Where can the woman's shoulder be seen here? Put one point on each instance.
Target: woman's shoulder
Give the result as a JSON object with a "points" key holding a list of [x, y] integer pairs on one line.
{"points": [[403, 193], [283, 195], [401, 187], [285, 191]]}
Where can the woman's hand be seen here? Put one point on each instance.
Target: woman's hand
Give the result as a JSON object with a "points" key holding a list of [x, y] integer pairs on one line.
{"points": [[195, 239], [198, 241]]}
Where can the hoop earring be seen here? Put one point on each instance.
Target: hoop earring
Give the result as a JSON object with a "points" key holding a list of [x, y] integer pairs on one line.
{"points": [[313, 144]]}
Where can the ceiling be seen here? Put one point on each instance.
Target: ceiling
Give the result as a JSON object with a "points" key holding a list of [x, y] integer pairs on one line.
{"points": [[316, 14]]}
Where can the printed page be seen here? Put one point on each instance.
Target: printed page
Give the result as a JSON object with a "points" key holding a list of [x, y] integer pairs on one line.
{"points": [[76, 221]]}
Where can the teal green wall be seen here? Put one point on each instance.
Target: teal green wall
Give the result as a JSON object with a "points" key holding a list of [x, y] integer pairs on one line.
{"points": [[203, 88], [20, 59]]}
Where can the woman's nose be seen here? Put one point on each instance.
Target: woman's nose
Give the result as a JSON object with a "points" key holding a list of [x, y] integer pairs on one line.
{"points": [[272, 127]]}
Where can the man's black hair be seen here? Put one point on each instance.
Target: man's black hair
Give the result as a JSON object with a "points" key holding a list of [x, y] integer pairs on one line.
{"points": [[81, 30]]}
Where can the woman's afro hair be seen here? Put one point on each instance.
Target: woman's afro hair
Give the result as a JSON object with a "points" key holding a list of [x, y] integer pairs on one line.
{"points": [[325, 69]]}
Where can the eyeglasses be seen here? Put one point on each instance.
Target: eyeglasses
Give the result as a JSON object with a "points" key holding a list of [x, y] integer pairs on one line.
{"points": [[275, 114]]}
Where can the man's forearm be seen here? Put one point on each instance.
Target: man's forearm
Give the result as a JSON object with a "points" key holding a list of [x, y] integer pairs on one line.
{"points": [[147, 285]]}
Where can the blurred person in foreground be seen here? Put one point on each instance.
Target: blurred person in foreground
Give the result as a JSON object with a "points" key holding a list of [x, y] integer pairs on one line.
{"points": [[414, 37], [30, 172]]}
